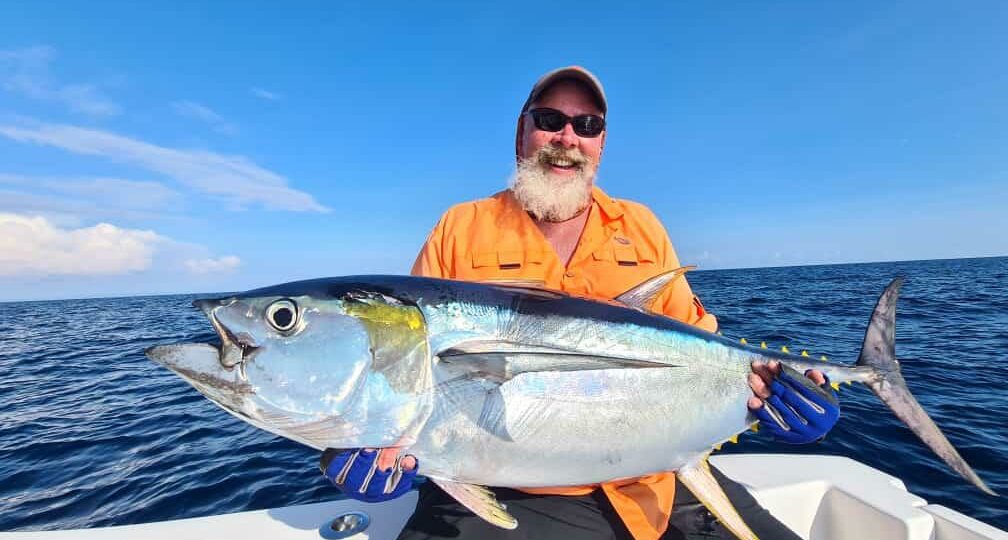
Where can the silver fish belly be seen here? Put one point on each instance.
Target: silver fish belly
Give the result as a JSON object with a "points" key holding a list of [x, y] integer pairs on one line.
{"points": [[556, 428]]}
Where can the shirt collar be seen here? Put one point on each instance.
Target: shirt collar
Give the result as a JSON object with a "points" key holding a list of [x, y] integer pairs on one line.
{"points": [[606, 204]]}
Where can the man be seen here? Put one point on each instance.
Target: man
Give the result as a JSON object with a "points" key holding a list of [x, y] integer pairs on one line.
{"points": [[554, 225]]}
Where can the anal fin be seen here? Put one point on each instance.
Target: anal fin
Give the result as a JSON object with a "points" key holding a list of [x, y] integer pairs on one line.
{"points": [[698, 479], [480, 500]]}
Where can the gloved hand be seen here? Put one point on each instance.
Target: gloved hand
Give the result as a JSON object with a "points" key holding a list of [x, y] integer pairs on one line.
{"points": [[358, 474], [789, 407]]}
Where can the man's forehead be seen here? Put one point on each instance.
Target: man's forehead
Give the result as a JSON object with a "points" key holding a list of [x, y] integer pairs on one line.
{"points": [[569, 93]]}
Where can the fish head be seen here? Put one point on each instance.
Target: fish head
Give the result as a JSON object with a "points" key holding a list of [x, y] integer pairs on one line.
{"points": [[332, 372], [303, 356]]}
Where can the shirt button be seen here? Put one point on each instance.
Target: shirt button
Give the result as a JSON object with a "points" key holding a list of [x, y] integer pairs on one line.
{"points": [[569, 274]]}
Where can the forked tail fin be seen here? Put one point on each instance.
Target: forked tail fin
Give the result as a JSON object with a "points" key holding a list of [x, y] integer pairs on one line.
{"points": [[879, 353]]}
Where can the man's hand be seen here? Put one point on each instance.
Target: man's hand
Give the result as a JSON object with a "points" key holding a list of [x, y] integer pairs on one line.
{"points": [[369, 475], [789, 409]]}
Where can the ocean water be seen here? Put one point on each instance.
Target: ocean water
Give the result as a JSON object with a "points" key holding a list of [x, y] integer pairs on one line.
{"points": [[93, 434]]}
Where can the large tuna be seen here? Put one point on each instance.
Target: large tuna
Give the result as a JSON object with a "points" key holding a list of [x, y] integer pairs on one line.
{"points": [[506, 384]]}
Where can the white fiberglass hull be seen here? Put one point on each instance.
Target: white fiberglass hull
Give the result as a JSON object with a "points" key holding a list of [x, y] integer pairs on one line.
{"points": [[819, 497]]}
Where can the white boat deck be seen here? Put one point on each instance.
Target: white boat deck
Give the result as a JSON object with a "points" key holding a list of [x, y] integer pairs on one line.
{"points": [[836, 498], [819, 497]]}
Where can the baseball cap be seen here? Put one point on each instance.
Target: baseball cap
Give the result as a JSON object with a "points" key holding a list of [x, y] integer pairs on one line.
{"points": [[577, 73]]}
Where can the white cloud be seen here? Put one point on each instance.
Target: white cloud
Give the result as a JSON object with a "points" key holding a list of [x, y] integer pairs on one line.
{"points": [[116, 191], [37, 57], [191, 109], [33, 246], [27, 72], [231, 178], [67, 200], [264, 94], [226, 263]]}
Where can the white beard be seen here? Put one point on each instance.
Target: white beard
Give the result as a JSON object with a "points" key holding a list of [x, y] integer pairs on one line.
{"points": [[549, 197]]}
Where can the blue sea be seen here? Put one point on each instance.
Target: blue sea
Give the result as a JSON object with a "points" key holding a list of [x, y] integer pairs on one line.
{"points": [[93, 434]]}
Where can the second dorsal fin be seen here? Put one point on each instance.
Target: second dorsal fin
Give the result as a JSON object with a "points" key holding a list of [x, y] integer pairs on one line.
{"points": [[643, 295]]}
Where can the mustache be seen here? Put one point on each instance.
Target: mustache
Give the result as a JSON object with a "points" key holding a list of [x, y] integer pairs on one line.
{"points": [[547, 154]]}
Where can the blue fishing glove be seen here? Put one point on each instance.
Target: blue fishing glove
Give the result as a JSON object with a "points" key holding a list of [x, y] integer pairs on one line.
{"points": [[797, 412], [356, 474]]}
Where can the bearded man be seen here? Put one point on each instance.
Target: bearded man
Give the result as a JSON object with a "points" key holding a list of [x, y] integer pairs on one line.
{"points": [[556, 227]]}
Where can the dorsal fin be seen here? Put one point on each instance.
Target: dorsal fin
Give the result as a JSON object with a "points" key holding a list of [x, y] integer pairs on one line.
{"points": [[643, 295]]}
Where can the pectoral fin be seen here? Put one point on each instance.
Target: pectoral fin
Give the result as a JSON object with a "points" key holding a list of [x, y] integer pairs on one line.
{"points": [[698, 479], [480, 500], [532, 289], [502, 360], [516, 283]]}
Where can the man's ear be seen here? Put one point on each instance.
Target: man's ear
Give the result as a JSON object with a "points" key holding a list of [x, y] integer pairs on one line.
{"points": [[519, 136]]}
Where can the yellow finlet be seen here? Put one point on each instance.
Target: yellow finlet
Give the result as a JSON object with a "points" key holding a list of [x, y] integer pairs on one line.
{"points": [[733, 439], [743, 341], [784, 349], [804, 353], [719, 333], [835, 385], [762, 345], [823, 358], [754, 427]]}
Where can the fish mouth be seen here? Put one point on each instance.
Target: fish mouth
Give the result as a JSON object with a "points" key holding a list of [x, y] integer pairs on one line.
{"points": [[235, 349], [210, 367], [199, 365]]}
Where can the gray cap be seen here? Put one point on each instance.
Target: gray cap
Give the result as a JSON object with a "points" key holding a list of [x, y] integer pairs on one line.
{"points": [[577, 73]]}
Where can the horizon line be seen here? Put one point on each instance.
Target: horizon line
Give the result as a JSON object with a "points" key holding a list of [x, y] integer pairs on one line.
{"points": [[699, 269]]}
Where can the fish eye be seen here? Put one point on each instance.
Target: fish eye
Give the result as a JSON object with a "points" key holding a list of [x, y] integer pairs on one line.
{"points": [[282, 315]]}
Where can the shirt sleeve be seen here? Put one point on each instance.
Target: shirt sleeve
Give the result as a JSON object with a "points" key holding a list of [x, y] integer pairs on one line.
{"points": [[678, 300], [431, 261]]}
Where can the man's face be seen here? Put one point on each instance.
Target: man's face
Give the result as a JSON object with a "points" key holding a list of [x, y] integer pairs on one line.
{"points": [[572, 99], [556, 170]]}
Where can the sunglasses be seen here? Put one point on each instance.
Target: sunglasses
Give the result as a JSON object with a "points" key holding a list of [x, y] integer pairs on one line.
{"points": [[585, 125]]}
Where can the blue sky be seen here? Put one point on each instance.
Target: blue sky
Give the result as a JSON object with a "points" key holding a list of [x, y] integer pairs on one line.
{"points": [[188, 147]]}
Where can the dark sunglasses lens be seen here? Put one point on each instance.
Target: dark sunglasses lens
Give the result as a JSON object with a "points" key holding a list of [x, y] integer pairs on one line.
{"points": [[588, 125], [549, 120]]}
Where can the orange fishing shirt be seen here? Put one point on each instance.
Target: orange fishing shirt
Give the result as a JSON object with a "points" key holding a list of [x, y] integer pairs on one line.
{"points": [[622, 245]]}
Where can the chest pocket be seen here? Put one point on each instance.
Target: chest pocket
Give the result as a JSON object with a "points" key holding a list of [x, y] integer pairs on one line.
{"points": [[624, 266], [506, 263], [621, 254]]}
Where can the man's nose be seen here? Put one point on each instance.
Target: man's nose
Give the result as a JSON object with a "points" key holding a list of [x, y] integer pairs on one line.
{"points": [[566, 137]]}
